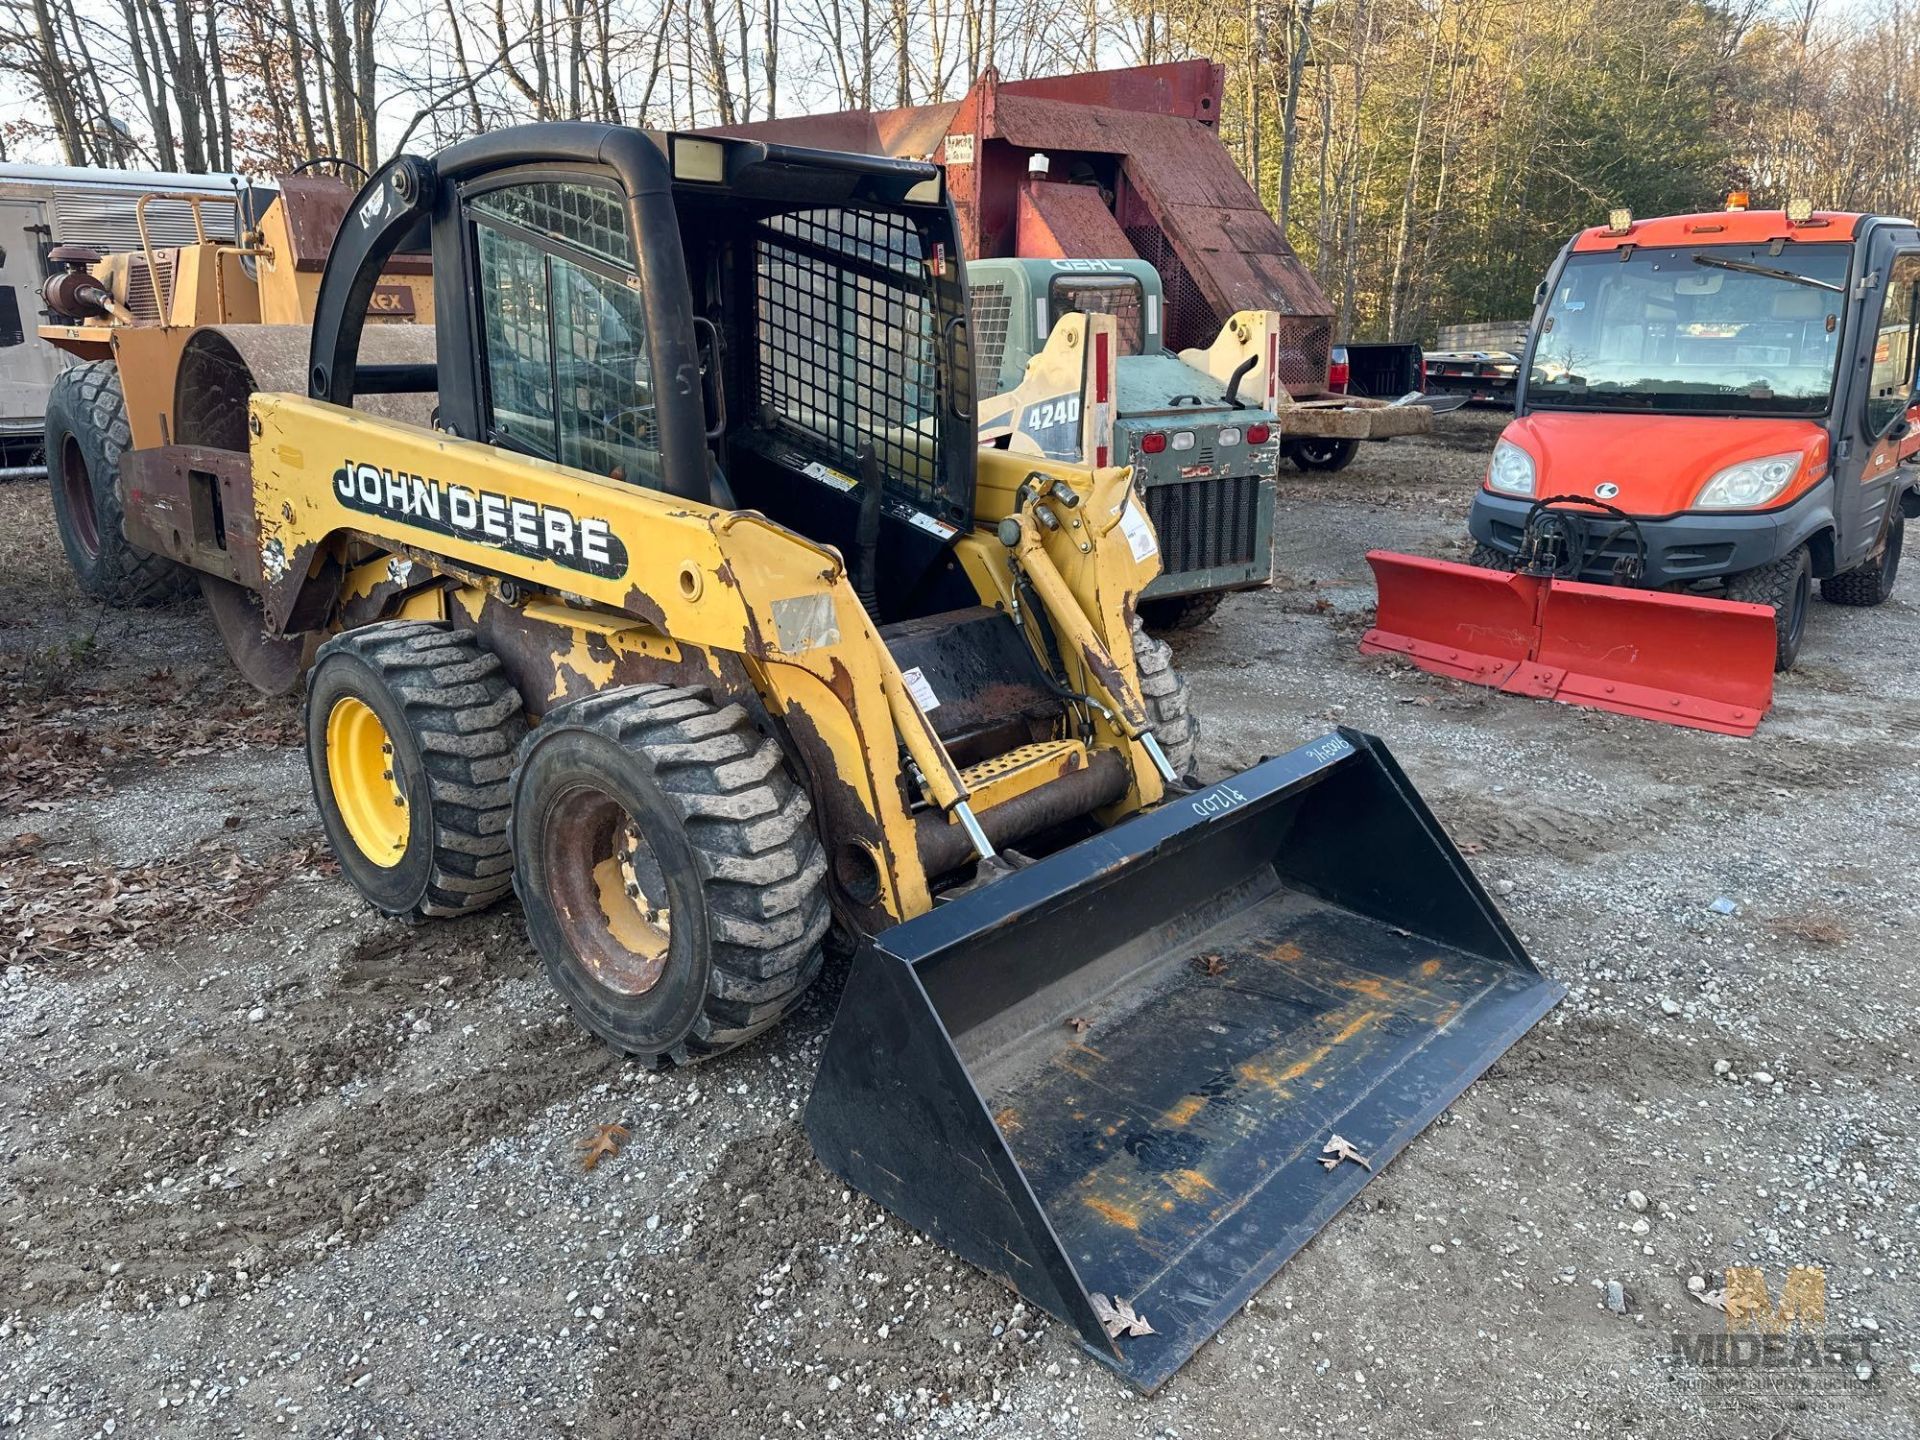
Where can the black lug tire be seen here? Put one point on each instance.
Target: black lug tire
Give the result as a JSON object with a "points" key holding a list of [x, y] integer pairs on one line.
{"points": [[1169, 703], [1180, 612], [455, 723], [87, 433], [1485, 557], [1787, 585], [1322, 454], [733, 836], [1871, 583]]}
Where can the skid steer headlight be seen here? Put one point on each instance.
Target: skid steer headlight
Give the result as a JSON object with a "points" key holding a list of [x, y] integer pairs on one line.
{"points": [[1750, 483], [1511, 470]]}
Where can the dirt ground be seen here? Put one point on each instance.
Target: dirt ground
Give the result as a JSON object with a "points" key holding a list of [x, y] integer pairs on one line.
{"points": [[270, 1164]]}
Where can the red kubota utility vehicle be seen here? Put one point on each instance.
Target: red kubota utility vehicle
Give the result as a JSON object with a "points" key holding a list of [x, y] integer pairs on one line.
{"points": [[1714, 411]]}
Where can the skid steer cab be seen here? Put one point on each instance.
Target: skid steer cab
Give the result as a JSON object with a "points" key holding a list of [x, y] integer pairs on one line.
{"points": [[662, 582], [1072, 365], [1714, 412]]}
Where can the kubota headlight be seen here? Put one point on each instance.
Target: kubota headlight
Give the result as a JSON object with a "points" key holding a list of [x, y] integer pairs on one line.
{"points": [[1750, 483], [1511, 470]]}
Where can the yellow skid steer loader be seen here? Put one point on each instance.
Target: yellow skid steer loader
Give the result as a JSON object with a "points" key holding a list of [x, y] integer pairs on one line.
{"points": [[661, 581]]}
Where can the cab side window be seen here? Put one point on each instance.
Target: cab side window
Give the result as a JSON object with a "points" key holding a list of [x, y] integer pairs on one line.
{"points": [[1891, 383], [564, 336]]}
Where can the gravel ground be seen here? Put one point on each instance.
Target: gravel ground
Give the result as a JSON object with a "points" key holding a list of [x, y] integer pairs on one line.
{"points": [[270, 1164]]}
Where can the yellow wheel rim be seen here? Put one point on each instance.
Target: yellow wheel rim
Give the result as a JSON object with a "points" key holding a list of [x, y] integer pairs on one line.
{"points": [[365, 782]]}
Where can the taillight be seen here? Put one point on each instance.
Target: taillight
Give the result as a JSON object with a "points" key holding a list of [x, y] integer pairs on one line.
{"points": [[1152, 443], [1228, 435], [1183, 439], [1338, 370], [1259, 434]]}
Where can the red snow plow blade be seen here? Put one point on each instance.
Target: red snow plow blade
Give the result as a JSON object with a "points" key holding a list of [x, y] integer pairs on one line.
{"points": [[1678, 658]]}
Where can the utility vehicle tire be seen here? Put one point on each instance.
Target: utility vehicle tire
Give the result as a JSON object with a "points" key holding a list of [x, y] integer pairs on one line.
{"points": [[1169, 703], [1180, 612], [1485, 557], [1322, 454], [668, 866], [411, 732], [87, 433], [1787, 585], [1871, 583]]}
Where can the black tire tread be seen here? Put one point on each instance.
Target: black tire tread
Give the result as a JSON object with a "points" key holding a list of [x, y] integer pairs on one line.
{"points": [[127, 576], [1773, 584], [1169, 702], [1180, 612], [762, 866], [1343, 453], [467, 720], [1868, 584]]}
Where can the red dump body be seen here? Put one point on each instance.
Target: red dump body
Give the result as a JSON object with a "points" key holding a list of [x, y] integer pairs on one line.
{"points": [[1135, 167]]}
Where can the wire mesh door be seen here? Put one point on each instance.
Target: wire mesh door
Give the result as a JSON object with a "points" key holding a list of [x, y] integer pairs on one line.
{"points": [[849, 343]]}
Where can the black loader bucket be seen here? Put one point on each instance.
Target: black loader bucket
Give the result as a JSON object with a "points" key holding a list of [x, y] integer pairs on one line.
{"points": [[1113, 1076]]}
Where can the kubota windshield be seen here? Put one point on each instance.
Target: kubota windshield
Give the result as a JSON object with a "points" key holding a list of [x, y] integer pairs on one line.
{"points": [[1708, 328]]}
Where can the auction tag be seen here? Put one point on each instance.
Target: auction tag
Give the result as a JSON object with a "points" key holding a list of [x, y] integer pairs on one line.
{"points": [[1139, 532], [920, 690]]}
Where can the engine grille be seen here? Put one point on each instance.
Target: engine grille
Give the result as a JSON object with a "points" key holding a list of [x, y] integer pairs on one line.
{"points": [[148, 292], [1205, 523]]}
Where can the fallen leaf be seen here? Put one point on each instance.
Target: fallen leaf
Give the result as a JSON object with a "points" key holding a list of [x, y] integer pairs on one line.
{"points": [[1079, 1024], [1210, 965], [1472, 847], [1337, 1149], [1119, 1317], [599, 1143], [1712, 1299]]}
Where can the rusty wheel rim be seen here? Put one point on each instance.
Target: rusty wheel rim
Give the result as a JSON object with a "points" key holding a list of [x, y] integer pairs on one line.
{"points": [[76, 484], [609, 891]]}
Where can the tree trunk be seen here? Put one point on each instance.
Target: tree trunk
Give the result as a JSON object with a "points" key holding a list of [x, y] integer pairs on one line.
{"points": [[717, 63], [366, 93]]}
